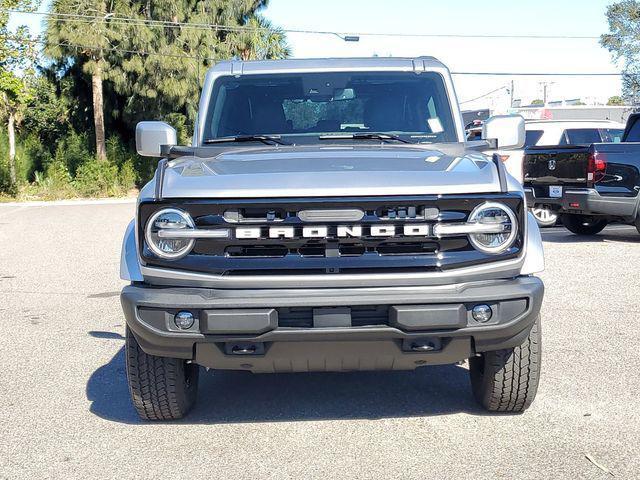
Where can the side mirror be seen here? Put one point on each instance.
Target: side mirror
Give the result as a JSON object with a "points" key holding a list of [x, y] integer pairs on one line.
{"points": [[150, 136], [508, 130]]}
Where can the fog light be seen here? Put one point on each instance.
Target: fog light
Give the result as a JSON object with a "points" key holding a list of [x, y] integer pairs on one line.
{"points": [[184, 320], [482, 313]]}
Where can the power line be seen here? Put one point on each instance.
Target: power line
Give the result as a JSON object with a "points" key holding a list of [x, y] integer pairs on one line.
{"points": [[40, 41], [214, 26], [548, 74], [485, 94], [105, 48]]}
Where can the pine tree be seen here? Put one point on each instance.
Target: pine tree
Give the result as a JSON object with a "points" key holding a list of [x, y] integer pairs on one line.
{"points": [[167, 82], [157, 58]]}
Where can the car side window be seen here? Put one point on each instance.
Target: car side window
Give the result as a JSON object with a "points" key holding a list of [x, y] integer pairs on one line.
{"points": [[582, 136], [532, 137]]}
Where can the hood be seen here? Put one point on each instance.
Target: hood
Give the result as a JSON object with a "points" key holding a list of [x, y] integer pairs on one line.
{"points": [[321, 171]]}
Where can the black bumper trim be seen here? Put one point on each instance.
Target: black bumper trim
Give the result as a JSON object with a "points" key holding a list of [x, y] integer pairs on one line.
{"points": [[589, 202], [169, 342]]}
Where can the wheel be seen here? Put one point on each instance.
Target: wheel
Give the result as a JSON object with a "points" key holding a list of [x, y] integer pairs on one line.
{"points": [[583, 224], [161, 388], [544, 216], [507, 380]]}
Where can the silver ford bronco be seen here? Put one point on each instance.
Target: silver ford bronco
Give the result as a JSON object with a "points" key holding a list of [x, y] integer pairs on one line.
{"points": [[330, 216]]}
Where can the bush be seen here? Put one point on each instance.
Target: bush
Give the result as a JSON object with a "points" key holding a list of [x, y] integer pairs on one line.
{"points": [[73, 151], [97, 178], [36, 156], [52, 185], [127, 176], [73, 171], [117, 151]]}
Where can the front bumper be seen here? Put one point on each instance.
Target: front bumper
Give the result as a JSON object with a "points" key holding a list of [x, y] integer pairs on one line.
{"points": [[244, 329], [585, 201]]}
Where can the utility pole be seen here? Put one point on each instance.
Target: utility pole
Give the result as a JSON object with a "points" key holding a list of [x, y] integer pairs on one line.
{"points": [[511, 95], [545, 91]]}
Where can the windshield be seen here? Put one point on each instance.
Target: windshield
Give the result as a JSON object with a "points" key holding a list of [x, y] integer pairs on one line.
{"points": [[308, 105]]}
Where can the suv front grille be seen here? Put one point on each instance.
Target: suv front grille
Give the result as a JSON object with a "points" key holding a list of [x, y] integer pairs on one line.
{"points": [[331, 253]]}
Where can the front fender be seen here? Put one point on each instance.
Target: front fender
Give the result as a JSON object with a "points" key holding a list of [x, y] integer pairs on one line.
{"points": [[129, 266]]}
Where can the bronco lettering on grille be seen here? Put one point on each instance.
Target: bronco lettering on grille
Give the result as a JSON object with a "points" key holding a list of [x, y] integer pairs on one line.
{"points": [[342, 231]]}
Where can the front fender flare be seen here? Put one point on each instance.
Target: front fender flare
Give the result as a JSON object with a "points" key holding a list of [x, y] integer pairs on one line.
{"points": [[534, 252], [129, 265]]}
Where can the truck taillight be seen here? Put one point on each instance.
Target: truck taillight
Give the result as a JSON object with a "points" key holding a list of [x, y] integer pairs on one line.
{"points": [[597, 166]]}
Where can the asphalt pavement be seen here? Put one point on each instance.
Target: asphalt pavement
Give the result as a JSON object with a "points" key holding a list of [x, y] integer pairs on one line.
{"points": [[65, 411]]}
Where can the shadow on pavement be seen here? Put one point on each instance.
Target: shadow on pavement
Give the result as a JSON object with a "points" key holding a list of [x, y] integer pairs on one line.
{"points": [[237, 397], [106, 335], [620, 235]]}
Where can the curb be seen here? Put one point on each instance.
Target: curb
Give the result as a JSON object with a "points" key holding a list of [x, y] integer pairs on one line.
{"points": [[70, 202]]}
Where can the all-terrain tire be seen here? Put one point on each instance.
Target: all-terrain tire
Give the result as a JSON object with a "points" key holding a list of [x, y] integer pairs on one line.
{"points": [[507, 380], [161, 388], [583, 224]]}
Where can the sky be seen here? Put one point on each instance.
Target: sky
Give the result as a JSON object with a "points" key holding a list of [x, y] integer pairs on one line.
{"points": [[482, 17], [522, 17]]}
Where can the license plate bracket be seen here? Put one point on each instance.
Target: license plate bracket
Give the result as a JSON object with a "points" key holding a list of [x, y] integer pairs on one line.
{"points": [[555, 191]]}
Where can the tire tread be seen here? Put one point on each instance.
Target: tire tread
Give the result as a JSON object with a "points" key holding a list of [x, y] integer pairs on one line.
{"points": [[507, 380], [156, 384]]}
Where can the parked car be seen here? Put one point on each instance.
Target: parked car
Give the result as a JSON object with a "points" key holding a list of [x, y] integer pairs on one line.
{"points": [[558, 132], [330, 216], [589, 186]]}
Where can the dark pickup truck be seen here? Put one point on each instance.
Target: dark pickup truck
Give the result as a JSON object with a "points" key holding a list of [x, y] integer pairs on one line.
{"points": [[589, 186]]}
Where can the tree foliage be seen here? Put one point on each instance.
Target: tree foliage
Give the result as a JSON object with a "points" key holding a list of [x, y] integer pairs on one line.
{"points": [[616, 101], [623, 41], [149, 57], [155, 61]]}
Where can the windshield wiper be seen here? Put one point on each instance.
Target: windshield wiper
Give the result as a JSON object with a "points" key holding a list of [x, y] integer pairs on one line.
{"points": [[364, 136], [266, 139]]}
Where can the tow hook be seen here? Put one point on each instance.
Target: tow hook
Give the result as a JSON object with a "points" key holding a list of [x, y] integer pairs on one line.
{"points": [[422, 345], [244, 348]]}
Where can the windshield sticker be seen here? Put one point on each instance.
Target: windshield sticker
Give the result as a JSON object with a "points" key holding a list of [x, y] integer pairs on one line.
{"points": [[435, 125]]}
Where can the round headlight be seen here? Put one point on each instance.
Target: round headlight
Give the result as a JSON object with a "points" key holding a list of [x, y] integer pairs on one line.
{"points": [[167, 220], [494, 214]]}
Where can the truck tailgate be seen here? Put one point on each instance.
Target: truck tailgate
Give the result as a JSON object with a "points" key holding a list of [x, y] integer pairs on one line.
{"points": [[557, 165]]}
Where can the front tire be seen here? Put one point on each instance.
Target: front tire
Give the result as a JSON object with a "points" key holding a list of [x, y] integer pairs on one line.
{"points": [[583, 224], [507, 380], [544, 216], [161, 388]]}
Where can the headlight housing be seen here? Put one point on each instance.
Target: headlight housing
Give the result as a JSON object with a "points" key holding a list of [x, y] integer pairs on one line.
{"points": [[167, 220], [493, 214]]}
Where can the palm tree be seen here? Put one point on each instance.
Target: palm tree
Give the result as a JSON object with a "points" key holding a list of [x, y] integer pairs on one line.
{"points": [[262, 40]]}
